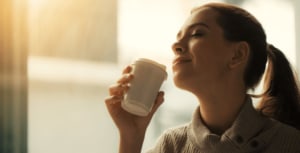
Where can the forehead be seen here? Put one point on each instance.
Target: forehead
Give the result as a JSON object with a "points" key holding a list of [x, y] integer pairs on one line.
{"points": [[202, 15]]}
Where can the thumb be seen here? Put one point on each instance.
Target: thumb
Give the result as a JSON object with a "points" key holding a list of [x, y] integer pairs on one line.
{"points": [[159, 100]]}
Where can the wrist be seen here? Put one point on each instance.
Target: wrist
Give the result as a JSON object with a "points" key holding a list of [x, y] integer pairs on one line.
{"points": [[131, 143]]}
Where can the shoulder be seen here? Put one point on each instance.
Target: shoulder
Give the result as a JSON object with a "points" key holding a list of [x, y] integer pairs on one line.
{"points": [[283, 137], [287, 132], [169, 141], [173, 135], [177, 131]]}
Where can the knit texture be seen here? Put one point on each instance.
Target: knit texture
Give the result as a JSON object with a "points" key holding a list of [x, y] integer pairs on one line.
{"points": [[250, 133]]}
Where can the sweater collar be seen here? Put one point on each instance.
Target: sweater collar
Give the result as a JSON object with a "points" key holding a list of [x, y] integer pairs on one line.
{"points": [[245, 127]]}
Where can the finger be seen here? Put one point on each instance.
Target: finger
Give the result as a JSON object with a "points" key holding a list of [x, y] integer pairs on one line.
{"points": [[126, 78], [113, 105], [112, 100], [118, 89], [159, 100], [127, 69]]}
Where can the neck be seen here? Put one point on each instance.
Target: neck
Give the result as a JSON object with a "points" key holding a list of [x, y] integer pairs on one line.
{"points": [[219, 111]]}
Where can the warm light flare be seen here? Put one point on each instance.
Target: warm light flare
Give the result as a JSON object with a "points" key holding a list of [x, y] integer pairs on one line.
{"points": [[84, 29], [36, 3]]}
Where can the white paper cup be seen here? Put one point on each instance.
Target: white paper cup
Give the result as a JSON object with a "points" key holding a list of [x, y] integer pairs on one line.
{"points": [[148, 78]]}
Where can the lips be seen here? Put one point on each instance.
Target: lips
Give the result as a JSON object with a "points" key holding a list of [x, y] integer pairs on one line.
{"points": [[181, 60]]}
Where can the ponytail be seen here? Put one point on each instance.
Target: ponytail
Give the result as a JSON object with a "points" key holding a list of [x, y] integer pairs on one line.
{"points": [[281, 99]]}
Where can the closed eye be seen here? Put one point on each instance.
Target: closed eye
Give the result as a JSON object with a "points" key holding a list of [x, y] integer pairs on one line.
{"points": [[198, 34]]}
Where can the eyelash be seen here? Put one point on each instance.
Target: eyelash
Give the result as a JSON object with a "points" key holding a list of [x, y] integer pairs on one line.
{"points": [[197, 34]]}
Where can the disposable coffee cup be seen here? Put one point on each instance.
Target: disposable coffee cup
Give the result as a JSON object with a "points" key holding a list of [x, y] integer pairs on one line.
{"points": [[144, 87]]}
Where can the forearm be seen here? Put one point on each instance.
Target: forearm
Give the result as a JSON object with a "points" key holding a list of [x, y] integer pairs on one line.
{"points": [[131, 143]]}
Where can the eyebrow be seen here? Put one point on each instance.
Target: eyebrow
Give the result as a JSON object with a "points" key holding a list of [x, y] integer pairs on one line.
{"points": [[192, 26]]}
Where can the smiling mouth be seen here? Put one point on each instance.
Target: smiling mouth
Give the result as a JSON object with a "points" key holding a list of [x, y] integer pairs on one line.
{"points": [[181, 61]]}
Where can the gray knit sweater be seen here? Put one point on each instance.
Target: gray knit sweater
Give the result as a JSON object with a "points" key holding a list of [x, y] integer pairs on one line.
{"points": [[250, 133]]}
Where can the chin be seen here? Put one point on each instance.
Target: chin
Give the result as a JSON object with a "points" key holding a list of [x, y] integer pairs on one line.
{"points": [[185, 82], [180, 81]]}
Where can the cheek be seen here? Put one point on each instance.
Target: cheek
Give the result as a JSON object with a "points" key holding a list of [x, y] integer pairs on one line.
{"points": [[209, 61]]}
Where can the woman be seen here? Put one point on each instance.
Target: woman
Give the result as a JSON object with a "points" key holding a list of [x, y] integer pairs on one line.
{"points": [[221, 53]]}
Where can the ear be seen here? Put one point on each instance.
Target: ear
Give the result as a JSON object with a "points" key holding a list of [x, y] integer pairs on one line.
{"points": [[240, 54]]}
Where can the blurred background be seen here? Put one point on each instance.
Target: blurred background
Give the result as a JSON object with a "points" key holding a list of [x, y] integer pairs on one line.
{"points": [[76, 49]]}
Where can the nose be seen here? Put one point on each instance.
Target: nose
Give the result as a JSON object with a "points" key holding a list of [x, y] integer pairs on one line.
{"points": [[178, 48]]}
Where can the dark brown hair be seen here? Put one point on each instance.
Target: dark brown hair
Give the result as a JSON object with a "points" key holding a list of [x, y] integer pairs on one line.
{"points": [[281, 97]]}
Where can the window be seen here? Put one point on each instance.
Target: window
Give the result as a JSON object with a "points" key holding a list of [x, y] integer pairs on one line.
{"points": [[72, 60], [13, 77]]}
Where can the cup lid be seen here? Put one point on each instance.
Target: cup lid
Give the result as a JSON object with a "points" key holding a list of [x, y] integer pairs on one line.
{"points": [[152, 62]]}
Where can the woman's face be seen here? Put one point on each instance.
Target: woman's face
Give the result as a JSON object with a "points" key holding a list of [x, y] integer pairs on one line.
{"points": [[201, 51]]}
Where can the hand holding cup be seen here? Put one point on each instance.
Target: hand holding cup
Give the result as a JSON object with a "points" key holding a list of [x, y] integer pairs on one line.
{"points": [[128, 122]]}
